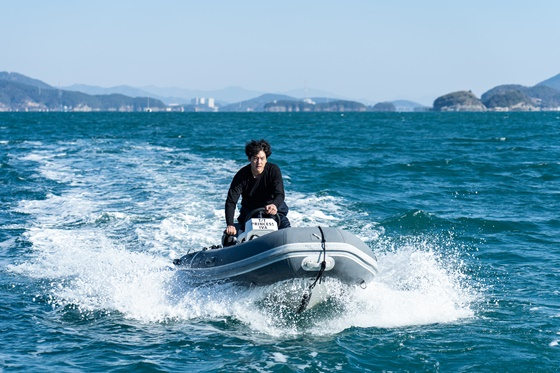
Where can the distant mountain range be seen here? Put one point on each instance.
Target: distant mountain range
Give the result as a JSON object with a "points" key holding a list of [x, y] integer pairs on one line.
{"points": [[21, 93], [172, 95]]}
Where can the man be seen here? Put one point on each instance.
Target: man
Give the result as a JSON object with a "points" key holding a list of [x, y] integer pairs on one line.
{"points": [[259, 184]]}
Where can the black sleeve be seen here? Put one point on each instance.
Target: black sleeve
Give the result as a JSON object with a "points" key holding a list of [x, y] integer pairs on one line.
{"points": [[278, 186], [234, 192]]}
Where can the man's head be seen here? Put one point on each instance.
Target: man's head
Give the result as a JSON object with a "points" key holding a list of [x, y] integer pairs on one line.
{"points": [[257, 153], [253, 147]]}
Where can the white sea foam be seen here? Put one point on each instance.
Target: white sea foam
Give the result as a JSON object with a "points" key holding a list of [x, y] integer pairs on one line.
{"points": [[52, 211], [412, 288], [279, 357], [38, 156], [310, 210], [92, 272]]}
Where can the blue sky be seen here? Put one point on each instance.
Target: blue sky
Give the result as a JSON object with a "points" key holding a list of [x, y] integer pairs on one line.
{"points": [[368, 50]]}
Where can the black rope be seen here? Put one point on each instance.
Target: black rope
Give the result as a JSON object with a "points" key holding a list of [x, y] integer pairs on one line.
{"points": [[307, 295]]}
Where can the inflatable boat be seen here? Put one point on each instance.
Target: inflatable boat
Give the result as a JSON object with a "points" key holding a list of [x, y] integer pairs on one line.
{"points": [[263, 255]]}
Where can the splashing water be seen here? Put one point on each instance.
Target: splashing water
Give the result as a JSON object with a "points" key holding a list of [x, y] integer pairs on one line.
{"points": [[105, 246]]}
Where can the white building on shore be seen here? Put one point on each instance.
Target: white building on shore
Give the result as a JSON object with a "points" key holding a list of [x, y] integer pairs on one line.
{"points": [[204, 104]]}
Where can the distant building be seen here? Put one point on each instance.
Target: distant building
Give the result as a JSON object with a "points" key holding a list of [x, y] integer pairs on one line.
{"points": [[203, 104], [203, 101]]}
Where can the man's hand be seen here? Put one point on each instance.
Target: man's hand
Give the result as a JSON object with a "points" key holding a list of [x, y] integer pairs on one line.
{"points": [[231, 231], [271, 209]]}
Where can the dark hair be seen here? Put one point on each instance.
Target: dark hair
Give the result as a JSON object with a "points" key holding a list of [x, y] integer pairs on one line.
{"points": [[253, 148]]}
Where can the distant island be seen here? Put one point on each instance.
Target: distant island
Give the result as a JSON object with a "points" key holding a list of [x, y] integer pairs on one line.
{"points": [[512, 97], [309, 105], [19, 93]]}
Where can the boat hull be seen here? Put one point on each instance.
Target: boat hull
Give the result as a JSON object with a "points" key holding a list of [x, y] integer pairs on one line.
{"points": [[290, 253]]}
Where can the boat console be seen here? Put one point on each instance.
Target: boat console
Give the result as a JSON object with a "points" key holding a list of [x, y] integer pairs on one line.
{"points": [[257, 227]]}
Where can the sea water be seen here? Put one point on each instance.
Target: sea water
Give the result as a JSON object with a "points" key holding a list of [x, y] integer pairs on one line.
{"points": [[461, 210]]}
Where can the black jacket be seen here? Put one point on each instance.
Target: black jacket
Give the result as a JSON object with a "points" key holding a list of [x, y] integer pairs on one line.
{"points": [[255, 192]]}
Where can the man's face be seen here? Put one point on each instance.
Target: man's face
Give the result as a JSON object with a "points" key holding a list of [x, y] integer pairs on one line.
{"points": [[257, 163]]}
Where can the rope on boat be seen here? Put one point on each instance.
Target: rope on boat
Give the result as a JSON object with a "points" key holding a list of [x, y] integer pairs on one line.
{"points": [[307, 295]]}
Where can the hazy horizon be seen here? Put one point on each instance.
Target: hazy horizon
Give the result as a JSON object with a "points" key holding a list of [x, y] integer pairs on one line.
{"points": [[360, 50]]}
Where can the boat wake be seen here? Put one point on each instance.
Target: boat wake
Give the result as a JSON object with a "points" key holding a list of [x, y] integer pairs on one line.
{"points": [[103, 248]]}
